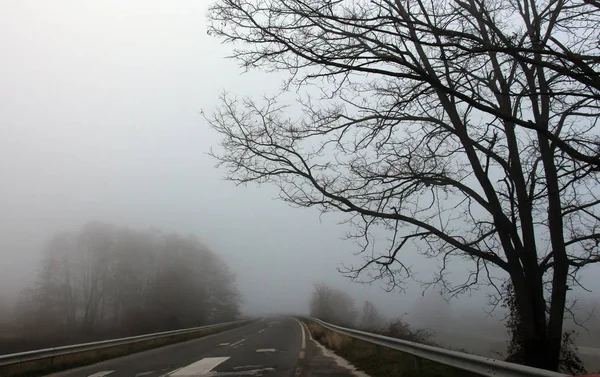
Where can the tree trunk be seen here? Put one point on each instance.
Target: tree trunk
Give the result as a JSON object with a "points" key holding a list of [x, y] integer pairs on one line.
{"points": [[557, 310], [538, 349], [541, 339]]}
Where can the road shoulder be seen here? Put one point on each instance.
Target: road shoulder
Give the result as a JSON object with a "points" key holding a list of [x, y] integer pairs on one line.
{"points": [[318, 361]]}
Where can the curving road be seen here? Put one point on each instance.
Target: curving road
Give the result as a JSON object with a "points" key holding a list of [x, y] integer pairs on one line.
{"points": [[270, 347]]}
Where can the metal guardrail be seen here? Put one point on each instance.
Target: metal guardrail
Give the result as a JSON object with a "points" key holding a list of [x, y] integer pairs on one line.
{"points": [[28, 356], [480, 365]]}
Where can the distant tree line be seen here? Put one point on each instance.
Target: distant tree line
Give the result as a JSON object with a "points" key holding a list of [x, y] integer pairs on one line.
{"points": [[111, 280], [335, 306]]}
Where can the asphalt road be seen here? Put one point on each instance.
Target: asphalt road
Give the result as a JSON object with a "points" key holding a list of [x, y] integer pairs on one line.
{"points": [[270, 347]]}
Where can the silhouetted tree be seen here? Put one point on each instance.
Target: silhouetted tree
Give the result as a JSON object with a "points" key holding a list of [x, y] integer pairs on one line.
{"points": [[124, 281], [332, 305], [467, 126]]}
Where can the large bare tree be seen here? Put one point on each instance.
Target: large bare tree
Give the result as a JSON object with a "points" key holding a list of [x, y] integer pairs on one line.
{"points": [[467, 128]]}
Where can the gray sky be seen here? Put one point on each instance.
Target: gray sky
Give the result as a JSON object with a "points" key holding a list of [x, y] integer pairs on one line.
{"points": [[101, 121]]}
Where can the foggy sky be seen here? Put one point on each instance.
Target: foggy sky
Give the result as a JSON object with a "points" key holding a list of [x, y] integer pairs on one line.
{"points": [[101, 121]]}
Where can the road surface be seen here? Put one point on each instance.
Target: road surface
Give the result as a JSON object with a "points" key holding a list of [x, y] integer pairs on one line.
{"points": [[278, 347]]}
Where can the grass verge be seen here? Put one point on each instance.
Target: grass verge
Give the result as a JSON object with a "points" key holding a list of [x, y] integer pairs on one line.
{"points": [[379, 361]]}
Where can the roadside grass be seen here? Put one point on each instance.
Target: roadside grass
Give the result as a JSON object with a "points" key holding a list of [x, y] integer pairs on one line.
{"points": [[379, 361]]}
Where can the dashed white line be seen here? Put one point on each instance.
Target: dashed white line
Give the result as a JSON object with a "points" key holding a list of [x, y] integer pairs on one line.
{"points": [[200, 367], [101, 374], [266, 350], [224, 344], [236, 343], [259, 331]]}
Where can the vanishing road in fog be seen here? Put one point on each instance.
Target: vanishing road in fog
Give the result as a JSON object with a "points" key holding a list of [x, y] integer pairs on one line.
{"points": [[270, 348]]}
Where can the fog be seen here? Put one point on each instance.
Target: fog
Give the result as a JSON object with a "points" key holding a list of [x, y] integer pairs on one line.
{"points": [[101, 121]]}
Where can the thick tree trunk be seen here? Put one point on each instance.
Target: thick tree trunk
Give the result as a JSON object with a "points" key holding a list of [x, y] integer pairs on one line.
{"points": [[541, 339], [557, 310], [560, 260], [538, 353], [539, 344]]}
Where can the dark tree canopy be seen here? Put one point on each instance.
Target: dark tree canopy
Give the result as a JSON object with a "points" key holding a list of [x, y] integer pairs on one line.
{"points": [[467, 128]]}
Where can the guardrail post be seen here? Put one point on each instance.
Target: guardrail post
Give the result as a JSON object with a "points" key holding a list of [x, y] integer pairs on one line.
{"points": [[418, 366]]}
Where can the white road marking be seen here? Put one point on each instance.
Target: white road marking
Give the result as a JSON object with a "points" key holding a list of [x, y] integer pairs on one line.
{"points": [[303, 337], [101, 374], [144, 373], [249, 372], [224, 344], [303, 347], [266, 350], [259, 331], [169, 372], [247, 367], [238, 342], [308, 331], [200, 367]]}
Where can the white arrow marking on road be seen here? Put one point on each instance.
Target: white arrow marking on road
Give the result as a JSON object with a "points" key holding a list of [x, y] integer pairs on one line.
{"points": [[101, 374], [200, 367]]}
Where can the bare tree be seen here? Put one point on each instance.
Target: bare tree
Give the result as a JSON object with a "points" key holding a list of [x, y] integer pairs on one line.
{"points": [[119, 281], [92, 257], [371, 318], [332, 305], [55, 292], [467, 128]]}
